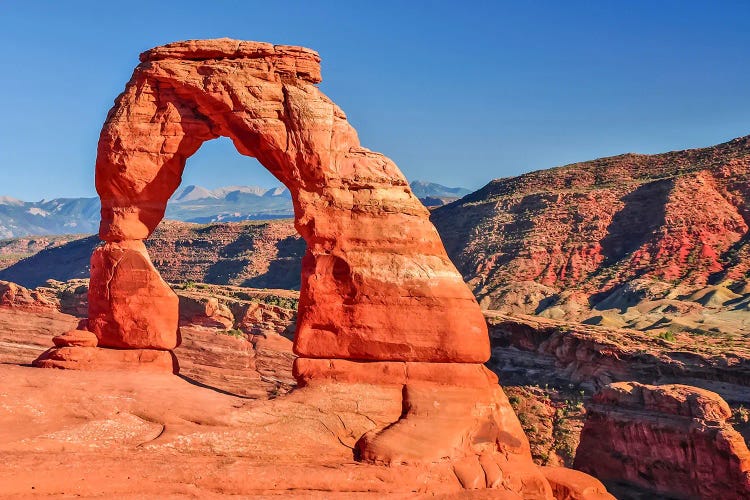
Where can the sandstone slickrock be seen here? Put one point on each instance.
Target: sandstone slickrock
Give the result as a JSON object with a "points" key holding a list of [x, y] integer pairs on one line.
{"points": [[670, 439], [381, 308], [25, 334], [130, 435]]}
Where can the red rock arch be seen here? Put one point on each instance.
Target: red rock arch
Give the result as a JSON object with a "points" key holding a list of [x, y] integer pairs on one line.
{"points": [[376, 281], [381, 304]]}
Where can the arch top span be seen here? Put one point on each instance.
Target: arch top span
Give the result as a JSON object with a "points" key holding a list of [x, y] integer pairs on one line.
{"points": [[287, 60]]}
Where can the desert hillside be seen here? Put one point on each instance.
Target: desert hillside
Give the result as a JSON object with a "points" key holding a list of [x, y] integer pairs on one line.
{"points": [[665, 233]]}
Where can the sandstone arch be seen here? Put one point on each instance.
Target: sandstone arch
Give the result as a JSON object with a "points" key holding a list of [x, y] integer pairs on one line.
{"points": [[377, 283]]}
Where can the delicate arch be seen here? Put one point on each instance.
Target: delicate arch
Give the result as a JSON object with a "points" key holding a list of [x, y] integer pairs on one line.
{"points": [[376, 281], [383, 312]]}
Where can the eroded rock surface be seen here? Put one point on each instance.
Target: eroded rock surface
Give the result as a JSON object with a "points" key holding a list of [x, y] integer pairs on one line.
{"points": [[16, 296], [125, 434], [670, 439]]}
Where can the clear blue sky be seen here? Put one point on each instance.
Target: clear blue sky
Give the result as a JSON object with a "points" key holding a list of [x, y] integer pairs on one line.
{"points": [[455, 92]]}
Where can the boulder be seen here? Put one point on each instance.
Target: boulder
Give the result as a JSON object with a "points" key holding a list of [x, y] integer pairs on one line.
{"points": [[673, 440], [204, 311], [76, 338]]}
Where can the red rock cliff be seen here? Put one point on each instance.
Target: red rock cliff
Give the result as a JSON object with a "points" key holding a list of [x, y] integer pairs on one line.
{"points": [[671, 439]]}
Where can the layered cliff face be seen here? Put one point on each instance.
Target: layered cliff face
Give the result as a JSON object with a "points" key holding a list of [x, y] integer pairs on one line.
{"points": [[672, 439], [551, 368], [265, 254], [561, 241], [530, 349]]}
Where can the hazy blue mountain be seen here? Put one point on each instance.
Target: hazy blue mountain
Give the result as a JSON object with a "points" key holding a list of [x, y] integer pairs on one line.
{"points": [[425, 189], [231, 203], [190, 204], [58, 216]]}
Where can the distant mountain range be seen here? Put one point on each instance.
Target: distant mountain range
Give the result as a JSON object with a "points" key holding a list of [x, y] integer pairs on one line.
{"points": [[230, 204], [424, 189], [58, 216], [191, 204]]}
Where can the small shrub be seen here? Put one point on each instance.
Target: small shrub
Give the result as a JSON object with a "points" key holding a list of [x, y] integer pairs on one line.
{"points": [[283, 302], [742, 414], [668, 336], [233, 333]]}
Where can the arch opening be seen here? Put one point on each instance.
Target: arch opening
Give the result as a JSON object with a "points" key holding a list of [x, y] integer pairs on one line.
{"points": [[218, 164], [246, 238], [246, 235], [218, 184]]}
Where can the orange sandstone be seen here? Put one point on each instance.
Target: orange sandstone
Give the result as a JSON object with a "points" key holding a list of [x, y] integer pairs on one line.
{"points": [[382, 308]]}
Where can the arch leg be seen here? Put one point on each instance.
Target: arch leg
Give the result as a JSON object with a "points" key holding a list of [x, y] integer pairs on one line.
{"points": [[133, 315]]}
